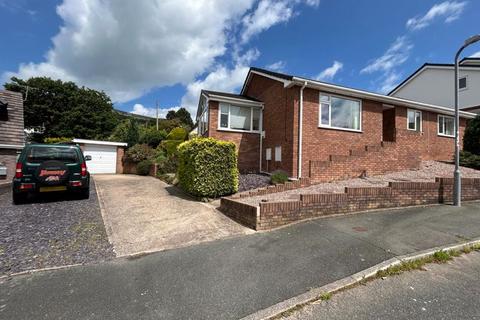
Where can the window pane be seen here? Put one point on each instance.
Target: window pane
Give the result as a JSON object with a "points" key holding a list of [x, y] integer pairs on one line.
{"points": [[411, 119], [345, 113], [240, 118], [256, 119], [325, 113], [441, 127], [224, 115], [449, 126], [418, 120], [462, 83], [324, 98]]}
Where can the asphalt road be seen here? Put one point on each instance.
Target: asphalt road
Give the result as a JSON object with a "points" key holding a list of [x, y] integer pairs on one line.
{"points": [[446, 291], [232, 278]]}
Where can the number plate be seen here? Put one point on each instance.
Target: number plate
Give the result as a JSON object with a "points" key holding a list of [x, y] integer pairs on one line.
{"points": [[50, 189]]}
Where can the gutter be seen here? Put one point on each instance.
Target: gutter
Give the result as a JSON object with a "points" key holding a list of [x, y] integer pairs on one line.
{"points": [[378, 97], [300, 131]]}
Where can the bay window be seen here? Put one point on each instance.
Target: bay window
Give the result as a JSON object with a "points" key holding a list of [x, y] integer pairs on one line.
{"points": [[340, 113], [238, 118], [446, 126]]}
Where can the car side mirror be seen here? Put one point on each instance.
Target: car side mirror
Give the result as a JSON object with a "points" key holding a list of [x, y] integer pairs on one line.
{"points": [[88, 157]]}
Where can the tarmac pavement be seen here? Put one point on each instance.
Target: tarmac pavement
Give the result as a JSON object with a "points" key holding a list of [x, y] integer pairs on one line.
{"points": [[234, 277]]}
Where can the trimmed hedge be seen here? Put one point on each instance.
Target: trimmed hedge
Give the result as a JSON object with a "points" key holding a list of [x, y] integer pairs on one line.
{"points": [[278, 177], [208, 167]]}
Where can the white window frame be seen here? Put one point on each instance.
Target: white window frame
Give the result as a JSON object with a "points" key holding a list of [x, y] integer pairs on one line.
{"points": [[219, 128], [278, 154], [438, 126], [329, 126], [466, 83], [421, 120], [268, 154]]}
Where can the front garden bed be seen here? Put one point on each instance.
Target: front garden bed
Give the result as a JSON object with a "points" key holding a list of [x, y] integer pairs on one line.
{"points": [[268, 208]]}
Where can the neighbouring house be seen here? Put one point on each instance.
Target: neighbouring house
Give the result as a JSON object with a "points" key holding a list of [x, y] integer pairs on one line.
{"points": [[107, 156], [433, 83], [12, 137], [322, 131]]}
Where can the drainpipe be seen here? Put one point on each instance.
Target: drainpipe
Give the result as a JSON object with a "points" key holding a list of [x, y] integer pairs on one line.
{"points": [[300, 130], [261, 138]]}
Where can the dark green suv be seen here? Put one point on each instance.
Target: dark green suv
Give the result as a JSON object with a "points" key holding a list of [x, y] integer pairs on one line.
{"points": [[50, 168]]}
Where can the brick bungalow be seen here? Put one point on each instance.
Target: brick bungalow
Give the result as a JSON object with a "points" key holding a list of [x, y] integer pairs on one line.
{"points": [[11, 131], [279, 121]]}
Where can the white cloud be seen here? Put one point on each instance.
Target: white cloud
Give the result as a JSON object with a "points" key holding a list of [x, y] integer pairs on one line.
{"points": [[269, 13], [151, 112], [221, 78], [388, 81], [330, 72], [476, 55], [276, 66], [448, 10], [396, 54], [126, 47]]}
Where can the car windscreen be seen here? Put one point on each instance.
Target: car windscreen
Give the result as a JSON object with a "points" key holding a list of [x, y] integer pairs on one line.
{"points": [[41, 154]]}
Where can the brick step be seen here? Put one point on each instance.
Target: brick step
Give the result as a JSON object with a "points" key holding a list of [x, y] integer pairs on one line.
{"points": [[369, 160]]}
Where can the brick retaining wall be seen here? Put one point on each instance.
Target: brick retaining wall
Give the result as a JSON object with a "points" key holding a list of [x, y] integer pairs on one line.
{"points": [[398, 194], [290, 185]]}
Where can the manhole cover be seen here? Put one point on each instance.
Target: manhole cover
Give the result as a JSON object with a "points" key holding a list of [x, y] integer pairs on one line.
{"points": [[360, 229]]}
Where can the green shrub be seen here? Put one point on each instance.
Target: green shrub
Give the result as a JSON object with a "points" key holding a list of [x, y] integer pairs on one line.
{"points": [[177, 134], [139, 152], [208, 167], [278, 177], [152, 136], [143, 167], [471, 138], [468, 159], [54, 140]]}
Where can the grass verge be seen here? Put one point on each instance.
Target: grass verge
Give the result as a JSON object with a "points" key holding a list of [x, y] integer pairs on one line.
{"points": [[441, 256]]}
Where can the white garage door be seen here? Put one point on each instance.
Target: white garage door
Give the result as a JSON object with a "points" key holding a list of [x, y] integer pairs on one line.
{"points": [[104, 158]]}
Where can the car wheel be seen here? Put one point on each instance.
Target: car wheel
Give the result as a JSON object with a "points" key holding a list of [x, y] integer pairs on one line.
{"points": [[19, 198], [85, 194]]}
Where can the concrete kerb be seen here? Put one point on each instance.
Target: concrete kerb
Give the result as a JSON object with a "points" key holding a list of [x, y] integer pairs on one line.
{"points": [[108, 227], [314, 294]]}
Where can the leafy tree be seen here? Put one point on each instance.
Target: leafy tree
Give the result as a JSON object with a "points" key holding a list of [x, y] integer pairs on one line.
{"points": [[471, 138], [181, 114], [62, 109], [126, 131]]}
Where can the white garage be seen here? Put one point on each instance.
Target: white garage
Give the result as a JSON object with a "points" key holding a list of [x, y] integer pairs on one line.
{"points": [[104, 155]]}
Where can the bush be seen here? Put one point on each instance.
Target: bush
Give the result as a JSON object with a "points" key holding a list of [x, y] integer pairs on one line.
{"points": [[152, 136], [471, 138], [57, 140], [278, 177], [143, 167], [177, 134], [468, 159], [174, 139], [208, 167], [140, 152]]}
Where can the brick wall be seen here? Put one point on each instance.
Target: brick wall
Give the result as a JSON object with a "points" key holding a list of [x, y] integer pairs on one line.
{"points": [[248, 144], [290, 185], [280, 121], [120, 155], [397, 194]]}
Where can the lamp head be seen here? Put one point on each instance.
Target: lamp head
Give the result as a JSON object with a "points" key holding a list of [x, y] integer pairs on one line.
{"points": [[472, 39]]}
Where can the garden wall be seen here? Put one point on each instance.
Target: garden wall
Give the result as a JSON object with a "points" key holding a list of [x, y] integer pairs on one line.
{"points": [[398, 194]]}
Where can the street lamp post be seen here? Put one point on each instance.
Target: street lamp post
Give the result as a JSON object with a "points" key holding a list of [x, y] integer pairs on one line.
{"points": [[457, 187]]}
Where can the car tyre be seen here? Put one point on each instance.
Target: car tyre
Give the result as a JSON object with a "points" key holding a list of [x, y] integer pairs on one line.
{"points": [[85, 194], [19, 198]]}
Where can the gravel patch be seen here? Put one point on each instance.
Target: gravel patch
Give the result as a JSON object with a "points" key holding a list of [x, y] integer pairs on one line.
{"points": [[54, 230], [428, 171], [252, 181]]}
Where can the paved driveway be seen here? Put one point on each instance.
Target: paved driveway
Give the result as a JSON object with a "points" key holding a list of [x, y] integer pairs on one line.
{"points": [[144, 214]]}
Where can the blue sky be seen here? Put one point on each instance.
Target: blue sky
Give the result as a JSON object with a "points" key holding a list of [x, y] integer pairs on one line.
{"points": [[141, 52]]}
